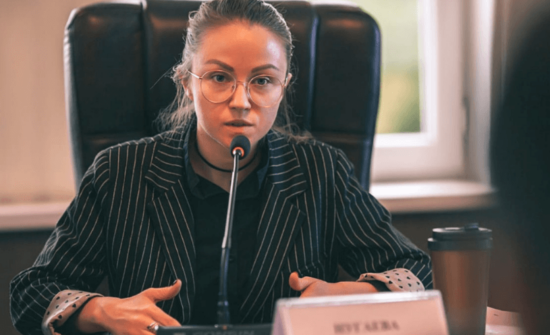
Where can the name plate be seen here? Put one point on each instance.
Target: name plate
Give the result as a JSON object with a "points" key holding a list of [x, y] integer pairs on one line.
{"points": [[388, 313]]}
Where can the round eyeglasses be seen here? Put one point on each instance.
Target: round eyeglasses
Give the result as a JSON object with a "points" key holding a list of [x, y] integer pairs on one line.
{"points": [[219, 86]]}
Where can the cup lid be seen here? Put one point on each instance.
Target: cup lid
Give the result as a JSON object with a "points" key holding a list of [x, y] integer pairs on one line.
{"points": [[471, 236]]}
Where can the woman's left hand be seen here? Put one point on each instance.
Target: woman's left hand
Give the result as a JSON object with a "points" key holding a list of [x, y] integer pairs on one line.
{"points": [[313, 287]]}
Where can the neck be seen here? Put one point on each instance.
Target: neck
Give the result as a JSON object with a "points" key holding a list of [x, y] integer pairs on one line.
{"points": [[222, 179], [212, 166]]}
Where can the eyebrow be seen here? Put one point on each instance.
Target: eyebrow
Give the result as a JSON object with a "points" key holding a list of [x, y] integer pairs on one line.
{"points": [[231, 69], [265, 67]]}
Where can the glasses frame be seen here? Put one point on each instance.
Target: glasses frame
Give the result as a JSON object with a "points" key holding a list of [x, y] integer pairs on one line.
{"points": [[245, 85]]}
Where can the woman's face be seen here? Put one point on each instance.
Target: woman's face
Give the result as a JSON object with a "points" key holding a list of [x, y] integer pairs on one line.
{"points": [[244, 51]]}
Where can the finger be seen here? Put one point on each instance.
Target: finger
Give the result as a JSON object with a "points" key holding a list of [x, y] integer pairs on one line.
{"points": [[163, 293], [308, 293], [300, 284], [164, 319], [294, 281], [317, 289]]}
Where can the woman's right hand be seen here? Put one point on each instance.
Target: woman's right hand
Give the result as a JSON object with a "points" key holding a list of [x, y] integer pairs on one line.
{"points": [[129, 316]]}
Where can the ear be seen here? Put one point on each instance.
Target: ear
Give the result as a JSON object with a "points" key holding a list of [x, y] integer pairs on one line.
{"points": [[187, 89], [288, 78]]}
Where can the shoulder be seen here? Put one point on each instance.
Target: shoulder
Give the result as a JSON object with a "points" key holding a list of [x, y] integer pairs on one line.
{"points": [[310, 153], [170, 139], [138, 154]]}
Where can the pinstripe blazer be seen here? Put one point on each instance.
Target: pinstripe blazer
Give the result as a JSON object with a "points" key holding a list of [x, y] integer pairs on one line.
{"points": [[132, 221]]}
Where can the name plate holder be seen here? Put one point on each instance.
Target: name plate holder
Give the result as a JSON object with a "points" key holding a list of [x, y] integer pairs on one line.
{"points": [[388, 313], [253, 329]]}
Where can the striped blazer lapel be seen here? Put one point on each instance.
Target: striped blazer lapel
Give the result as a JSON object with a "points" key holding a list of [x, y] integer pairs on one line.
{"points": [[172, 217], [280, 221]]}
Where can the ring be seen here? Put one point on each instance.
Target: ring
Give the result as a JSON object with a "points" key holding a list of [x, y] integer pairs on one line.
{"points": [[153, 327]]}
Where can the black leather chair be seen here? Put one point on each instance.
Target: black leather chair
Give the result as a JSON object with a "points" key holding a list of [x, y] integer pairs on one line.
{"points": [[118, 55]]}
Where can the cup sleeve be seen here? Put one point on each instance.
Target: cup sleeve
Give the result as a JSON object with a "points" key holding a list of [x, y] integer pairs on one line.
{"points": [[396, 280]]}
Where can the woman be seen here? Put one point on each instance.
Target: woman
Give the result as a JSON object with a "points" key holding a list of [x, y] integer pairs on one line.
{"points": [[150, 214]]}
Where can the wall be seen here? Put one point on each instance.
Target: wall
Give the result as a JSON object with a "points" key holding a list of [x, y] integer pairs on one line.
{"points": [[32, 105]]}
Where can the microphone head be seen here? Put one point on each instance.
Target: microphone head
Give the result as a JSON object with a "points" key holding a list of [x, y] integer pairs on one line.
{"points": [[242, 144]]}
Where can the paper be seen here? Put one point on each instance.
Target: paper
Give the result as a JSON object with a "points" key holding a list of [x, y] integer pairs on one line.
{"points": [[390, 313]]}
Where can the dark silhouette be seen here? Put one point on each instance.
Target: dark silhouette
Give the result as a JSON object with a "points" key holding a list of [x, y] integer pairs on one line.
{"points": [[520, 164]]}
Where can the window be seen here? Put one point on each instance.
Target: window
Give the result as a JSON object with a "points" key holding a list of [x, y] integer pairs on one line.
{"points": [[399, 110], [421, 120]]}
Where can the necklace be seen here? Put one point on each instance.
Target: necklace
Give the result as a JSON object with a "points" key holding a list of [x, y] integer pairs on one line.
{"points": [[220, 169]]}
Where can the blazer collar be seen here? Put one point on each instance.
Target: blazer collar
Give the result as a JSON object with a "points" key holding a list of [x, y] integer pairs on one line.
{"points": [[284, 172], [167, 164], [168, 161], [280, 222], [170, 213]]}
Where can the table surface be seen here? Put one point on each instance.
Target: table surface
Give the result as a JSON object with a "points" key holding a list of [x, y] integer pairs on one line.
{"points": [[503, 330], [503, 323]]}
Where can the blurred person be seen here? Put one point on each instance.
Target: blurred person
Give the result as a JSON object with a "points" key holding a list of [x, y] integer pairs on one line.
{"points": [[520, 166], [150, 214]]}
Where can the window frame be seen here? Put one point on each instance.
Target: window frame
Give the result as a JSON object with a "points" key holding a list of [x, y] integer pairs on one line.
{"points": [[477, 79]]}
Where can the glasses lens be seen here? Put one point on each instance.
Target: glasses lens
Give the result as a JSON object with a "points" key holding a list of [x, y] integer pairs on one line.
{"points": [[265, 91], [217, 86]]}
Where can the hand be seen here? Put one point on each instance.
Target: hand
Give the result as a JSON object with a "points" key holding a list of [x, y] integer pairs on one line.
{"points": [[313, 287], [129, 316]]}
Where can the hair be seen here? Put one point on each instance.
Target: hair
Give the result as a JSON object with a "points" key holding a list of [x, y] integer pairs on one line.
{"points": [[217, 13]]}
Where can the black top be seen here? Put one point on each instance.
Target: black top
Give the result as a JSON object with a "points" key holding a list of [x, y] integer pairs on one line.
{"points": [[209, 205]]}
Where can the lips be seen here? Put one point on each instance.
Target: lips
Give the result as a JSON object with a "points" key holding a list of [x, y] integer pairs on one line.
{"points": [[238, 123]]}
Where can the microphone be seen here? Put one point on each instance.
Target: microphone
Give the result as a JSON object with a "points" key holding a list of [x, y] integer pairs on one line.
{"points": [[240, 144], [239, 148]]}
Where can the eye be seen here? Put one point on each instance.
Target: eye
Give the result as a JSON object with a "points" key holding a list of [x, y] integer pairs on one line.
{"points": [[262, 81], [219, 77]]}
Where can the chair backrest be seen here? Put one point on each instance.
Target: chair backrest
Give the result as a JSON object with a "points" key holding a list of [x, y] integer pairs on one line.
{"points": [[118, 55]]}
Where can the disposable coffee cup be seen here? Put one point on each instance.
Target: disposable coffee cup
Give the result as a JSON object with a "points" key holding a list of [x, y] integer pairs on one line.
{"points": [[460, 262]]}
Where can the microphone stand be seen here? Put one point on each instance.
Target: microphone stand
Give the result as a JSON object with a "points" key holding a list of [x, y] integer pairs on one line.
{"points": [[223, 303]]}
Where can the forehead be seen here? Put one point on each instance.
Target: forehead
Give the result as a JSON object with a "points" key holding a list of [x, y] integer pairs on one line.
{"points": [[241, 45]]}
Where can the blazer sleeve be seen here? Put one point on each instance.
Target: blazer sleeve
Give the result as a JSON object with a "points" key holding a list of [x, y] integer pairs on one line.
{"points": [[369, 243], [72, 258]]}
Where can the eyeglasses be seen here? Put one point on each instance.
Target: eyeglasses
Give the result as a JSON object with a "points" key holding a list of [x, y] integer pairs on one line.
{"points": [[219, 86]]}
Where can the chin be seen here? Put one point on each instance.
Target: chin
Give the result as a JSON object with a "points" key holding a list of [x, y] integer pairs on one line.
{"points": [[246, 131]]}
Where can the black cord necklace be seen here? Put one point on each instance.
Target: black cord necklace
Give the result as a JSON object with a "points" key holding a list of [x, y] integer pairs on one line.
{"points": [[220, 169]]}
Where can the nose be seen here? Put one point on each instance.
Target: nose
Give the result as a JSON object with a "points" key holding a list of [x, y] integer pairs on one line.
{"points": [[240, 98]]}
